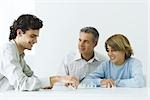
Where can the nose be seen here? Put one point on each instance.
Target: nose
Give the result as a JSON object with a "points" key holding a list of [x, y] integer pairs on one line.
{"points": [[80, 43], [35, 40]]}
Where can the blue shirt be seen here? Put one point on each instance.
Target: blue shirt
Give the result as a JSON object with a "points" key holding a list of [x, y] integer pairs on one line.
{"points": [[128, 74]]}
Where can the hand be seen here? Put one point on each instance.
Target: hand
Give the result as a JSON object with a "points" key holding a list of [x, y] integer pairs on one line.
{"points": [[107, 83], [70, 81]]}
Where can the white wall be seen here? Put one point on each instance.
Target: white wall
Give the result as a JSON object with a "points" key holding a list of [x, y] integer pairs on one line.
{"points": [[148, 71], [10, 10], [64, 18]]}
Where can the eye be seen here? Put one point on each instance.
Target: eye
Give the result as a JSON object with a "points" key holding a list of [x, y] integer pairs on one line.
{"points": [[32, 36], [110, 50], [79, 40], [107, 50]]}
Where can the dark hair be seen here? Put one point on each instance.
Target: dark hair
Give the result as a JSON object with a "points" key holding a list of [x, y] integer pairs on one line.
{"points": [[25, 22], [119, 42], [91, 30]]}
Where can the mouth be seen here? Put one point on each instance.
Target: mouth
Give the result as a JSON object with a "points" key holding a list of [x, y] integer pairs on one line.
{"points": [[82, 49], [112, 58]]}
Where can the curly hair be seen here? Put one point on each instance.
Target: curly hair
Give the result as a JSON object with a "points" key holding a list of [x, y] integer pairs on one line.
{"points": [[25, 22]]}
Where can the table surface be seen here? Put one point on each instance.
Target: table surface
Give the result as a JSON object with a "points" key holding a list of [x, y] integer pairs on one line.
{"points": [[80, 94]]}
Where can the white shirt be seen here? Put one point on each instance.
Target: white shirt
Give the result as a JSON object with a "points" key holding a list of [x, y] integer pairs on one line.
{"points": [[74, 65], [14, 72]]}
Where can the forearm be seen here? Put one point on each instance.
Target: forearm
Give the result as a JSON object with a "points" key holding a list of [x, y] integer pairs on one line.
{"points": [[133, 82], [54, 79], [28, 83]]}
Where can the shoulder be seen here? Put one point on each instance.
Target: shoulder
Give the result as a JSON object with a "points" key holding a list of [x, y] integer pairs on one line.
{"points": [[7, 51], [8, 46], [133, 60], [106, 63], [69, 57], [100, 56]]}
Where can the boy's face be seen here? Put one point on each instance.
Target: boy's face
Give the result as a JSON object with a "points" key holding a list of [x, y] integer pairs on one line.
{"points": [[27, 39], [116, 57]]}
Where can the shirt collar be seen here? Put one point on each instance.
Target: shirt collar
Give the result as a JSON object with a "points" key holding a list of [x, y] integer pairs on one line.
{"points": [[13, 42], [78, 57]]}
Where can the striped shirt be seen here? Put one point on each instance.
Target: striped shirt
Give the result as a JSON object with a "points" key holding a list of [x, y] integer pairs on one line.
{"points": [[74, 65]]}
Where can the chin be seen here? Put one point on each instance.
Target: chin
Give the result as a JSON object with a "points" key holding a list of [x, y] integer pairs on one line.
{"points": [[82, 52]]}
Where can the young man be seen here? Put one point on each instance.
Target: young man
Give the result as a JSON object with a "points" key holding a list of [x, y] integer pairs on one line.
{"points": [[78, 65], [14, 72]]}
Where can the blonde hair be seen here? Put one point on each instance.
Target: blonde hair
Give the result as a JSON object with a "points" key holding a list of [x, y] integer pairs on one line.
{"points": [[119, 42]]}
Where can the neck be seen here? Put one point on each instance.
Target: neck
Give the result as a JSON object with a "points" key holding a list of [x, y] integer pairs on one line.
{"points": [[120, 63], [19, 47], [87, 57]]}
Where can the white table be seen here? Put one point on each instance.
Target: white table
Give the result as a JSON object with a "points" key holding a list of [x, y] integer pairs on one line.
{"points": [[80, 94]]}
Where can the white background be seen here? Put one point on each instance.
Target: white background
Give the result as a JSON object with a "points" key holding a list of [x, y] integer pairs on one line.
{"points": [[64, 18]]}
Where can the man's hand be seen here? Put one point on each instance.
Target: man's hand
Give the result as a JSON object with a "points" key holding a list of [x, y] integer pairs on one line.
{"points": [[70, 81], [107, 83]]}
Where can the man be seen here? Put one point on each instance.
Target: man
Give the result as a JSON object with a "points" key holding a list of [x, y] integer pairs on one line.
{"points": [[79, 65], [15, 74]]}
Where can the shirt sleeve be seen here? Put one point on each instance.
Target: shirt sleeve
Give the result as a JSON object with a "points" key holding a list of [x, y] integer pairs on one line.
{"points": [[45, 82], [12, 70], [95, 77], [137, 78], [63, 69]]}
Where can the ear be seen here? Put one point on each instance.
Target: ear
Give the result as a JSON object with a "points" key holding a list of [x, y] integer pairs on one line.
{"points": [[19, 32], [95, 43]]}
